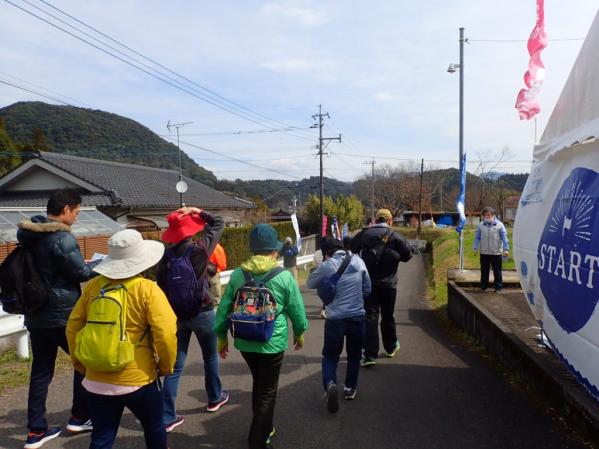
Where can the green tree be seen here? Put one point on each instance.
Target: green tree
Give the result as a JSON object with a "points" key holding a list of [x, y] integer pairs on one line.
{"points": [[350, 210], [9, 154], [347, 209], [39, 140]]}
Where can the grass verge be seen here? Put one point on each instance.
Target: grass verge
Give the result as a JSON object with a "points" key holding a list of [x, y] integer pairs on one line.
{"points": [[15, 373], [444, 255]]}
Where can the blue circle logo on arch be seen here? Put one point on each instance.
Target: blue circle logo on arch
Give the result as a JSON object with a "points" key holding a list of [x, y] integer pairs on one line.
{"points": [[568, 260]]}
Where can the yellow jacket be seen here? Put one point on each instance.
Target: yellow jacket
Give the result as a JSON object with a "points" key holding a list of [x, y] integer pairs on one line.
{"points": [[147, 308]]}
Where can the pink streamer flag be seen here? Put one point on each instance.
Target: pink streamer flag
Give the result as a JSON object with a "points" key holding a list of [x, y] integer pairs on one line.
{"points": [[325, 221], [527, 103]]}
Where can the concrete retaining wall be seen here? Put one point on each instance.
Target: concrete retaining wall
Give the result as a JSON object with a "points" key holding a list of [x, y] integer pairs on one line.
{"points": [[540, 370]]}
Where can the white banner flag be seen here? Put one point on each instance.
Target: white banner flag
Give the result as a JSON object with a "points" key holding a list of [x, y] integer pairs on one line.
{"points": [[298, 239]]}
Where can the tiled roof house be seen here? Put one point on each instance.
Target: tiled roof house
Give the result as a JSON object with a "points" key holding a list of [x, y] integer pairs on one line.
{"points": [[134, 195]]}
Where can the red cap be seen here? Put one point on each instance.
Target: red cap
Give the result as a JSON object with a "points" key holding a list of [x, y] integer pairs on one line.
{"points": [[182, 226]]}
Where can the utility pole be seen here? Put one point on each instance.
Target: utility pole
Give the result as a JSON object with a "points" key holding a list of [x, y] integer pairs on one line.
{"points": [[181, 185], [420, 211], [462, 40], [321, 139], [371, 163]]}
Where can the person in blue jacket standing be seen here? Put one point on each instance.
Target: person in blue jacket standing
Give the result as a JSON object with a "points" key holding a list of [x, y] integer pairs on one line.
{"points": [[289, 252], [492, 243]]}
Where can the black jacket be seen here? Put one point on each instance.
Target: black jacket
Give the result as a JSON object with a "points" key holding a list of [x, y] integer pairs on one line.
{"points": [[60, 262], [396, 250], [202, 250]]}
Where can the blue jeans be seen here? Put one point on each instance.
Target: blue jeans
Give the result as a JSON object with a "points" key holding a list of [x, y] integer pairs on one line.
{"points": [[201, 326], [146, 405], [44, 345], [353, 330]]}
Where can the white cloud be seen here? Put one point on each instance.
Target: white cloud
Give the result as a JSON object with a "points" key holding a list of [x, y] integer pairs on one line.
{"points": [[304, 16], [386, 97], [288, 65]]}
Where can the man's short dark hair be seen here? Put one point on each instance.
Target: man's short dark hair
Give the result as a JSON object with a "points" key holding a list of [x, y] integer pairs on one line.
{"points": [[488, 209], [61, 198]]}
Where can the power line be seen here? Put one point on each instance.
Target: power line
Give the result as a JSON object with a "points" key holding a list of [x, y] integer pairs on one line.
{"points": [[44, 88], [568, 39], [429, 160], [235, 133], [165, 68], [237, 159], [148, 70], [34, 92]]}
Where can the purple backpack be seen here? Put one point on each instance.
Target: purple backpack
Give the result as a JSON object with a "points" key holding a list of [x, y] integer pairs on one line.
{"points": [[185, 292]]}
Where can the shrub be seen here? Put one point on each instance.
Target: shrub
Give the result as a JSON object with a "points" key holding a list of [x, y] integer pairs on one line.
{"points": [[236, 242]]}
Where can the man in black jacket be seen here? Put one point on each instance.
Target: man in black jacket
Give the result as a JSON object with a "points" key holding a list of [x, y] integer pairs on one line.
{"points": [[382, 250], [59, 260]]}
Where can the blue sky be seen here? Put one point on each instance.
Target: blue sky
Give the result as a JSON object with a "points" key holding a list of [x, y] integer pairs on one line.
{"points": [[378, 67]]}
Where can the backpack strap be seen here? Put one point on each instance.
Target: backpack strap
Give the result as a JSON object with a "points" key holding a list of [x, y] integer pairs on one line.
{"points": [[272, 274], [247, 276], [344, 264], [383, 243], [110, 287]]}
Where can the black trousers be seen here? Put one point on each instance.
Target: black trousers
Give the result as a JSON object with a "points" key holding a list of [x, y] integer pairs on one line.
{"points": [[487, 261], [44, 346], [265, 370], [381, 299]]}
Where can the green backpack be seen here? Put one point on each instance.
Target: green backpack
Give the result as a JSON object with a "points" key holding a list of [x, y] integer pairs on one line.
{"points": [[103, 344]]}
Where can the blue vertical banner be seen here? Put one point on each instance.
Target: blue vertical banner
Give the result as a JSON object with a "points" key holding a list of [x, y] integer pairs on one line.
{"points": [[345, 231], [460, 203]]}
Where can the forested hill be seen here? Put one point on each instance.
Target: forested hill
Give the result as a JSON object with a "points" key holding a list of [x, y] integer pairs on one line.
{"points": [[95, 134], [280, 193]]}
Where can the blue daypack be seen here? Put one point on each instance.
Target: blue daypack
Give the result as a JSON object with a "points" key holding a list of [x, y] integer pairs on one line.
{"points": [[254, 308], [327, 286], [185, 292]]}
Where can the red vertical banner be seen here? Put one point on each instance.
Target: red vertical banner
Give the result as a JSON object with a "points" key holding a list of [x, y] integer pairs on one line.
{"points": [[325, 222], [527, 102]]}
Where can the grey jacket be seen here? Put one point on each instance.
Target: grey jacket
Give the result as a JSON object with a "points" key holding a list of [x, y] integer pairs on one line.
{"points": [[352, 288], [490, 238]]}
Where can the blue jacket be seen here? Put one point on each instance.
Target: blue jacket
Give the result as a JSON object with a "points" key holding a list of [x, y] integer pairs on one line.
{"points": [[289, 253], [352, 288], [60, 262]]}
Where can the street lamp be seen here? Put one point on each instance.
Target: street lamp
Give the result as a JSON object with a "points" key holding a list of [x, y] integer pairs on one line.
{"points": [[452, 69]]}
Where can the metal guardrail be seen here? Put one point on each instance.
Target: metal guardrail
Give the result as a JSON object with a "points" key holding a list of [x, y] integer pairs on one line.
{"points": [[301, 261], [15, 325]]}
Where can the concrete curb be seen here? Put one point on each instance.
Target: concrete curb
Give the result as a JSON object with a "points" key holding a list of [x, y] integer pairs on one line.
{"points": [[517, 351]]}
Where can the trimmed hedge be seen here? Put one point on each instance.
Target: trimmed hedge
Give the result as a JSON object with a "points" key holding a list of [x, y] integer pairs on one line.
{"points": [[236, 242]]}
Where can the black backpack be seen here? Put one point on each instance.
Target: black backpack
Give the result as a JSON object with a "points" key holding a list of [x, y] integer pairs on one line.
{"points": [[23, 289], [372, 256]]}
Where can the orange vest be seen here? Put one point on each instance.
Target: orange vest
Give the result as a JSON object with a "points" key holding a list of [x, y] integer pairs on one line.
{"points": [[219, 258]]}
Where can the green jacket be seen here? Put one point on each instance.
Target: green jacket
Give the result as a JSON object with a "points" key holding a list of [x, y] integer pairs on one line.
{"points": [[289, 304]]}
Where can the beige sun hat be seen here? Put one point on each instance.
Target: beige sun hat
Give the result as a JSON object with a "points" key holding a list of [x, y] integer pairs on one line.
{"points": [[129, 254]]}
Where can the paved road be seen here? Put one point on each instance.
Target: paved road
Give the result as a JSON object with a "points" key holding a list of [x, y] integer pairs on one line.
{"points": [[435, 394]]}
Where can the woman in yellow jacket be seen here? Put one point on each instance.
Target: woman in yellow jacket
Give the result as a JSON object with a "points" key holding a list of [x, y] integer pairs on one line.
{"points": [[150, 325]]}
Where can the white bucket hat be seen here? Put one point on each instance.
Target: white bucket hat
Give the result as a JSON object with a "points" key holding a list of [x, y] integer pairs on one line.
{"points": [[129, 254]]}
